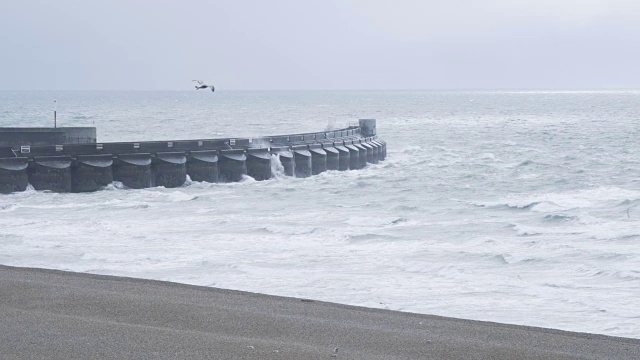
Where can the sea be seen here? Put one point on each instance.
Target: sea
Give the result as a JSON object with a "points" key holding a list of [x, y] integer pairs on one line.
{"points": [[519, 207]]}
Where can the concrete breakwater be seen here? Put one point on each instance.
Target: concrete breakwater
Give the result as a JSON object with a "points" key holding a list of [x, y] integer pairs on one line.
{"points": [[86, 167]]}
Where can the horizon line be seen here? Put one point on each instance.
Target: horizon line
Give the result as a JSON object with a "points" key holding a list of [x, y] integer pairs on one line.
{"points": [[523, 89]]}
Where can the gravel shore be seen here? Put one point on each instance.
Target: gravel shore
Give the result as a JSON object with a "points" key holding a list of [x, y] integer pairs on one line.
{"points": [[49, 314]]}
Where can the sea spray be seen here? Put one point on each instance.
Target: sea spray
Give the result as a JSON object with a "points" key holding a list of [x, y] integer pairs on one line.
{"points": [[277, 169]]}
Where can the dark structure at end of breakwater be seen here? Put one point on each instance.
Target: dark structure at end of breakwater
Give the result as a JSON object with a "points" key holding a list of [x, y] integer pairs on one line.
{"points": [[15, 137], [71, 160]]}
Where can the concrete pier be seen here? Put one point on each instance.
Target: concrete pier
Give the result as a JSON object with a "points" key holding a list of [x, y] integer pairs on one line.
{"points": [[85, 165]]}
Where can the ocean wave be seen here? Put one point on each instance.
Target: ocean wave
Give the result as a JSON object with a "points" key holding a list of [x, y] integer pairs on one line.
{"points": [[172, 196], [289, 230], [398, 221], [528, 163], [522, 205], [524, 231], [114, 186], [622, 275], [81, 117], [8, 207], [405, 207], [554, 201], [370, 237], [553, 218], [528, 230], [498, 258]]}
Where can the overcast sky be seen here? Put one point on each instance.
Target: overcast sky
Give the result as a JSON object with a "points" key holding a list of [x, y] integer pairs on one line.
{"points": [[319, 44]]}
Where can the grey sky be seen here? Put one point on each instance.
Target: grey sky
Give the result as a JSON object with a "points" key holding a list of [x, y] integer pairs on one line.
{"points": [[319, 44]]}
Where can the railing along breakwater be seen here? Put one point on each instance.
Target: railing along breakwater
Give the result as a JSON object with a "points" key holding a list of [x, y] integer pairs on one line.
{"points": [[86, 167]]}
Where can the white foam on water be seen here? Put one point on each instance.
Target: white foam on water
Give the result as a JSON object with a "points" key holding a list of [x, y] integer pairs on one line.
{"points": [[277, 169]]}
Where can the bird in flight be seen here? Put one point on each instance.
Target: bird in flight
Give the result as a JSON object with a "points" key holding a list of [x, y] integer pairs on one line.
{"points": [[202, 85]]}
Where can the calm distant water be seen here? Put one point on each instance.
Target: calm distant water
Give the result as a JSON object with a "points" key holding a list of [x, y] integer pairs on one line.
{"points": [[516, 207]]}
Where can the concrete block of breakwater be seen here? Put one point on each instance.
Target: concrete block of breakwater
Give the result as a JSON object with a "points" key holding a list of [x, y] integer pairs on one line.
{"points": [[370, 151], [50, 173], [384, 148], [91, 172], [286, 158], [169, 169], [354, 155], [203, 165], [362, 154], [345, 155], [259, 164], [380, 149], [333, 156], [302, 161], [318, 159], [231, 165], [13, 175], [133, 170]]}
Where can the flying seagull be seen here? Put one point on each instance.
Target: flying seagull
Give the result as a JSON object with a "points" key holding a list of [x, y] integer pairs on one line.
{"points": [[202, 85]]}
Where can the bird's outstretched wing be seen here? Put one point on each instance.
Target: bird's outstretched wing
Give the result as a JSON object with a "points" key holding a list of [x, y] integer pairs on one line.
{"points": [[199, 81]]}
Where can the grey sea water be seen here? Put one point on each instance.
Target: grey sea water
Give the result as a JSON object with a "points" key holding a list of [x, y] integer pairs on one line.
{"points": [[515, 207]]}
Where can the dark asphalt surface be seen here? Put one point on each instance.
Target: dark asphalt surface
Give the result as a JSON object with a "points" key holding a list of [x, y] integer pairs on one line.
{"points": [[47, 314]]}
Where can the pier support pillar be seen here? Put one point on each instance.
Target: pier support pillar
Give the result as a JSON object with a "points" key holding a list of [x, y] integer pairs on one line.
{"points": [[13, 175], [231, 165], [133, 170], [259, 164], [345, 156], [203, 166], [50, 173], [354, 156], [169, 169], [91, 172], [362, 154], [286, 159], [333, 156], [302, 161], [318, 159]]}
